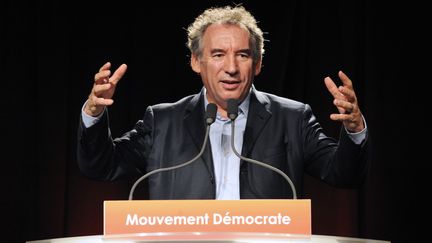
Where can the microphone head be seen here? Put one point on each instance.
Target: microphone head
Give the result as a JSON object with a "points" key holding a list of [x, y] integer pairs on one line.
{"points": [[232, 109], [210, 113]]}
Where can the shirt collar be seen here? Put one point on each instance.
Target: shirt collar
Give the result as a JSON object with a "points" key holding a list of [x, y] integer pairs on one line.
{"points": [[243, 107]]}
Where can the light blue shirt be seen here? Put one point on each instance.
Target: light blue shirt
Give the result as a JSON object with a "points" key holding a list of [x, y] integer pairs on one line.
{"points": [[226, 163]]}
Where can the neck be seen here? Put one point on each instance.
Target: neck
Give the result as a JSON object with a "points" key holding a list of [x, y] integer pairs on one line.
{"points": [[222, 112]]}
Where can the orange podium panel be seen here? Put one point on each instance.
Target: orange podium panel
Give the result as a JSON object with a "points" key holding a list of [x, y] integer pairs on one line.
{"points": [[264, 216]]}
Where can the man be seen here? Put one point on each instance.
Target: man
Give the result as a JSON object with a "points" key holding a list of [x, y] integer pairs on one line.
{"points": [[226, 51]]}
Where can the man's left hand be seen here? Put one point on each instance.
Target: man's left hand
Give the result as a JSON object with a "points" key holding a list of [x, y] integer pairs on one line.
{"points": [[346, 102]]}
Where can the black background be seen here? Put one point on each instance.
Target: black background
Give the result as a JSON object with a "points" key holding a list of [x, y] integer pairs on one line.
{"points": [[51, 50]]}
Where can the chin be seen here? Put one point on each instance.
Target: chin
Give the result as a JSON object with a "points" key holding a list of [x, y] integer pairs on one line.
{"points": [[232, 95]]}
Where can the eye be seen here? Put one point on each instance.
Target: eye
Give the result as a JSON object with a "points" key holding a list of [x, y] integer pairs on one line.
{"points": [[243, 56], [218, 56]]}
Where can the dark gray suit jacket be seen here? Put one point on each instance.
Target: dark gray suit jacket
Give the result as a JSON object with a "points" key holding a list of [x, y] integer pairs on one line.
{"points": [[279, 131]]}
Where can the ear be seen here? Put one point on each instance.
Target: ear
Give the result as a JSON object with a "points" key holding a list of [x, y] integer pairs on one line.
{"points": [[258, 67], [195, 63]]}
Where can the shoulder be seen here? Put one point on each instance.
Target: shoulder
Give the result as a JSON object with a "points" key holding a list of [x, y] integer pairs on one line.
{"points": [[173, 106], [277, 103], [163, 114]]}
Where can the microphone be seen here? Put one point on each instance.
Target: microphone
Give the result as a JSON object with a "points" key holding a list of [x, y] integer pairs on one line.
{"points": [[210, 117], [232, 109], [232, 114]]}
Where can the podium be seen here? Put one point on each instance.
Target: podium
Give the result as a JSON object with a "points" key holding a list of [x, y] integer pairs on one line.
{"points": [[229, 216], [201, 237], [276, 220]]}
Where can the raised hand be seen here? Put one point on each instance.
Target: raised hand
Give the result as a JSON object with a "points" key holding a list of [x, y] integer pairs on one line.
{"points": [[346, 102], [103, 89]]}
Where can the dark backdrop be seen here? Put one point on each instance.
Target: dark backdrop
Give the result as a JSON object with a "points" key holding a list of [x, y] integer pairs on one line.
{"points": [[50, 51]]}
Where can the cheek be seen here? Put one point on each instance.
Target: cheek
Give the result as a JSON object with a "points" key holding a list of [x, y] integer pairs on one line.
{"points": [[213, 72], [248, 74], [215, 64]]}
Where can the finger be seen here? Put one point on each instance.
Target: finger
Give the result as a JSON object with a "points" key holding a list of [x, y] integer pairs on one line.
{"points": [[118, 74], [100, 89], [341, 110], [341, 117], [343, 106], [348, 93], [345, 80], [103, 101], [102, 76], [106, 66], [95, 105], [332, 88], [352, 123]]}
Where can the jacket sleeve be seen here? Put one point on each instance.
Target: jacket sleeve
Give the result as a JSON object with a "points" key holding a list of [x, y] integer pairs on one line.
{"points": [[101, 157], [339, 163]]}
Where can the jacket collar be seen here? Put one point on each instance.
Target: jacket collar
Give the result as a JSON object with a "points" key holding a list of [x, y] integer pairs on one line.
{"points": [[258, 115], [196, 126]]}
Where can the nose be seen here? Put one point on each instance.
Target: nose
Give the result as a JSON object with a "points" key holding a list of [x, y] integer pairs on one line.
{"points": [[231, 65]]}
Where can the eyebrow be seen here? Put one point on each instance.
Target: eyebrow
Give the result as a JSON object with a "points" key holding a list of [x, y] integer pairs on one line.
{"points": [[216, 50], [247, 50]]}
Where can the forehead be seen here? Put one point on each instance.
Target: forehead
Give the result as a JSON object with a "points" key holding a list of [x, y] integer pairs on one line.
{"points": [[223, 35]]}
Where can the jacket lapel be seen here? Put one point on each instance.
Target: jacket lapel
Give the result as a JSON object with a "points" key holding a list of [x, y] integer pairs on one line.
{"points": [[195, 124], [258, 116]]}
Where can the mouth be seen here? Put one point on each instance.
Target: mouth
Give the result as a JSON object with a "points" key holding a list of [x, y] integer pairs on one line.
{"points": [[230, 84]]}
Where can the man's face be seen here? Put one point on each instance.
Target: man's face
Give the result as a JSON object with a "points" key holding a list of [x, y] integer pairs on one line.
{"points": [[226, 66]]}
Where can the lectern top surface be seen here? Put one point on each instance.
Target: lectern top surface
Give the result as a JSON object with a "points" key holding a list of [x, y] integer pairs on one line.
{"points": [[210, 237]]}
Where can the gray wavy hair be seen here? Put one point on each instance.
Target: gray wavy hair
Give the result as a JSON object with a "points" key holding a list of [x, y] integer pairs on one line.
{"points": [[237, 15]]}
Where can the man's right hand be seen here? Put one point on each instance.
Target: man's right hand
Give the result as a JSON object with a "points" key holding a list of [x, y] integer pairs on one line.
{"points": [[103, 89]]}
